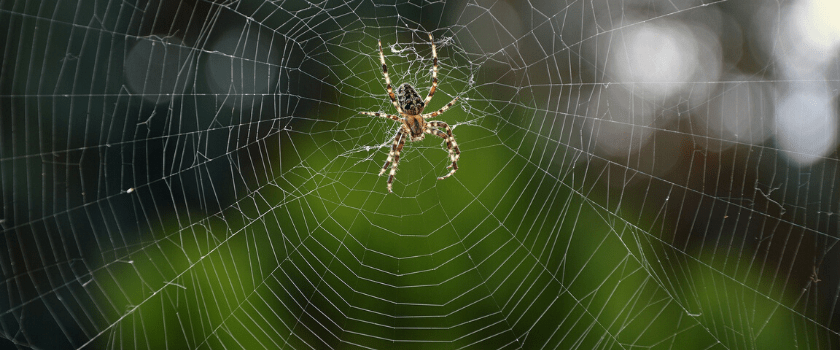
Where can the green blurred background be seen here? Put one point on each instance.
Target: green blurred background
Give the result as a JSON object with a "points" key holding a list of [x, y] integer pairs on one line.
{"points": [[196, 174]]}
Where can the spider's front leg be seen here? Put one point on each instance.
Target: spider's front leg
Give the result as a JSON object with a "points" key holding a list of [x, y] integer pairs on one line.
{"points": [[452, 146], [393, 158]]}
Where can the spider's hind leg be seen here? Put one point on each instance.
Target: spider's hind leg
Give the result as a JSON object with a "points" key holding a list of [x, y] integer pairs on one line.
{"points": [[388, 85], [434, 71]]}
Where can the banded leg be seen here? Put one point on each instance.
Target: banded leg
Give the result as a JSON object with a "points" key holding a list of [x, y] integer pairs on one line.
{"points": [[393, 158], [439, 111], [452, 147], [377, 114], [451, 144], [388, 80], [434, 71]]}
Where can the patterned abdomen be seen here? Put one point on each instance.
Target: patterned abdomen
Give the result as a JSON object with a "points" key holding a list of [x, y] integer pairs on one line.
{"points": [[409, 100]]}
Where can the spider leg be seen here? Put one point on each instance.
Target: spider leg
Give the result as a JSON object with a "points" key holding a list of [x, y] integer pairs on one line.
{"points": [[388, 80], [439, 111], [451, 145], [397, 140], [393, 158], [434, 71], [377, 114]]}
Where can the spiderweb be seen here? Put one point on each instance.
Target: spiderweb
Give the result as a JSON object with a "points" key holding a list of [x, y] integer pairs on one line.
{"points": [[634, 174]]}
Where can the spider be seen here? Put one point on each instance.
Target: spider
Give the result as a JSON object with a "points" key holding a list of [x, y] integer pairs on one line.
{"points": [[414, 125]]}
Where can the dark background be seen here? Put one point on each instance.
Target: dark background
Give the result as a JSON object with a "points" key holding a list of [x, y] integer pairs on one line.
{"points": [[196, 174]]}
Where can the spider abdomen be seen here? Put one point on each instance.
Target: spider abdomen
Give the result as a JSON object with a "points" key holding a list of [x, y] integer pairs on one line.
{"points": [[410, 100]]}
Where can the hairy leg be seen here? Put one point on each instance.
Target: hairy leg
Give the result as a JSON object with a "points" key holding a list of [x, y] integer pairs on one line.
{"points": [[439, 111], [393, 158], [388, 80], [434, 71], [377, 114], [451, 146]]}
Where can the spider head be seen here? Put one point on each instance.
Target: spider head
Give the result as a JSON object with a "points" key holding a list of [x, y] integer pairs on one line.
{"points": [[409, 100]]}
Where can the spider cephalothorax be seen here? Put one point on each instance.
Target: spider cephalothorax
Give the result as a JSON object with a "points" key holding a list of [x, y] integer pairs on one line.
{"points": [[410, 106]]}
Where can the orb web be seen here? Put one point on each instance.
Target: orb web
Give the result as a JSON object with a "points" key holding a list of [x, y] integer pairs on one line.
{"points": [[658, 174]]}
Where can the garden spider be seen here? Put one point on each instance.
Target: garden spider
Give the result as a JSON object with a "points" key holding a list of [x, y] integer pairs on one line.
{"points": [[414, 124]]}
